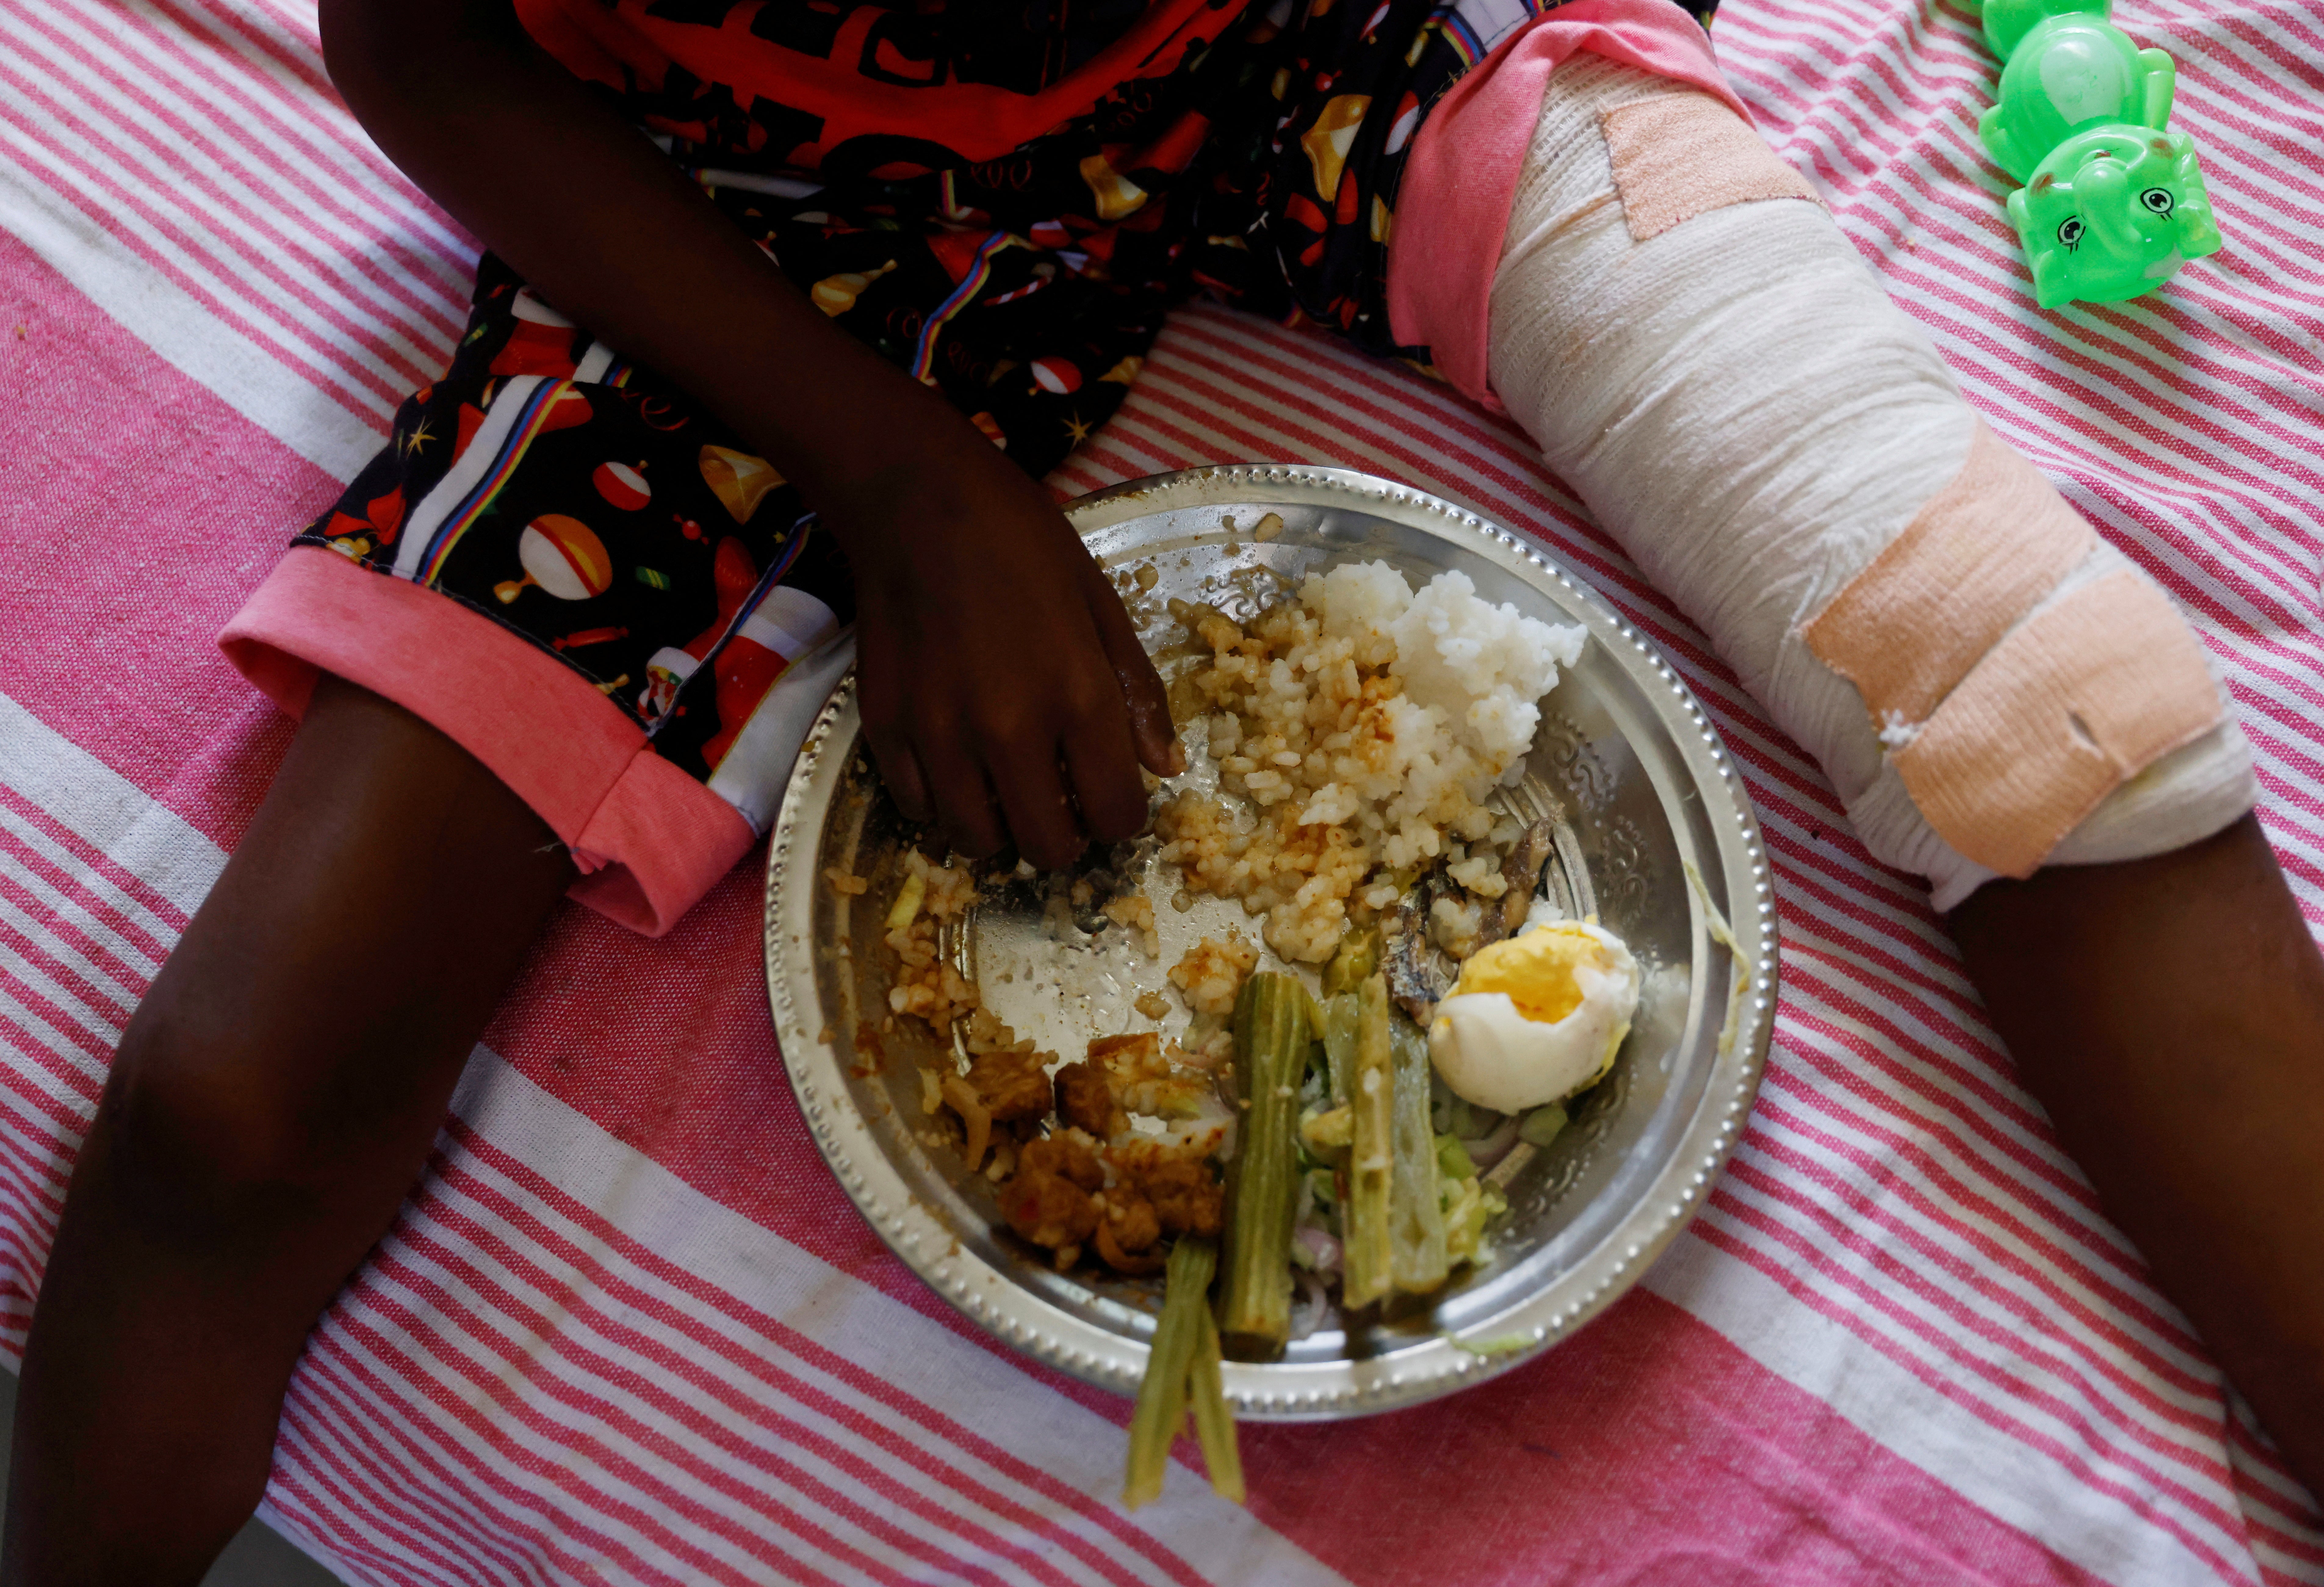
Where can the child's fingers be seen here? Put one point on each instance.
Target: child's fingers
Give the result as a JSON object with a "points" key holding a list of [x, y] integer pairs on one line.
{"points": [[966, 807], [1102, 763], [900, 768], [881, 708], [1039, 810], [1151, 731], [1150, 727], [907, 781]]}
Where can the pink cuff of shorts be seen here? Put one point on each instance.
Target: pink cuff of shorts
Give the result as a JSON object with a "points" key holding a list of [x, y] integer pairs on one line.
{"points": [[1453, 208], [648, 839]]}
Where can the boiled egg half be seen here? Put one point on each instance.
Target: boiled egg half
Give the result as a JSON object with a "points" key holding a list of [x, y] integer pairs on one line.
{"points": [[1535, 1017]]}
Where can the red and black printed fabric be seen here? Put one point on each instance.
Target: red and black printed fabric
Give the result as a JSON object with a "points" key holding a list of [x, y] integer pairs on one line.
{"points": [[1002, 196], [555, 489], [1105, 157]]}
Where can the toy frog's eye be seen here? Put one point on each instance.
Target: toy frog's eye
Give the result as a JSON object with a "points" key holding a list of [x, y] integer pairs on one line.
{"points": [[2157, 200], [2069, 231]]}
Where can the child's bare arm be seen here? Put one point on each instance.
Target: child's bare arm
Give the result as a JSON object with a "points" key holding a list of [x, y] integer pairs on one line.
{"points": [[1003, 685], [2169, 1015]]}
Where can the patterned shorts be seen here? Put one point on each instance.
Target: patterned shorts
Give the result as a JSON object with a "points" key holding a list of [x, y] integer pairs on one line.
{"points": [[572, 569]]}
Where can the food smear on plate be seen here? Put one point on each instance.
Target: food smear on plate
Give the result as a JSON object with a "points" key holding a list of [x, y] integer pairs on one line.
{"points": [[1536, 1016], [927, 983]]}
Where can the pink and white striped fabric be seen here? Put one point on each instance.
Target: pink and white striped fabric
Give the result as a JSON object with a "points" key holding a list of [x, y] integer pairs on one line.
{"points": [[629, 1329]]}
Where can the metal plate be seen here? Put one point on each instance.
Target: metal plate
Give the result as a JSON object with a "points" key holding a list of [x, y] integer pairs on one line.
{"points": [[1647, 792]]}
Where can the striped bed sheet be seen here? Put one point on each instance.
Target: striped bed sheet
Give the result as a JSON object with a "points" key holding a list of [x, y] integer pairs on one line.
{"points": [[627, 1329]]}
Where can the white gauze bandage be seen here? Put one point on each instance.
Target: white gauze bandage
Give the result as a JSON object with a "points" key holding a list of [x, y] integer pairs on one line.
{"points": [[1988, 685]]}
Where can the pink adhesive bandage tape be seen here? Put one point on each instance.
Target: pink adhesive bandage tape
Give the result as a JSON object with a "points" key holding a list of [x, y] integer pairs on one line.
{"points": [[1983, 553], [1452, 207], [1675, 156], [2088, 693]]}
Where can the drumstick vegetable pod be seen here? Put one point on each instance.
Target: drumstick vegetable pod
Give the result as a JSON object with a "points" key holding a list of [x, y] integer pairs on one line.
{"points": [[1273, 1030], [1179, 1337], [1340, 1017], [1369, 1245], [1417, 1264], [1214, 1417]]}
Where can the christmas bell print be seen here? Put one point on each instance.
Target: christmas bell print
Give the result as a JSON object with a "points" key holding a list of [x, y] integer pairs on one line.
{"points": [[739, 480], [1117, 196], [836, 294], [1328, 140]]}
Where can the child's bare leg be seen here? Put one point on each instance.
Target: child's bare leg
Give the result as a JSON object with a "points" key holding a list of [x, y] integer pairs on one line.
{"points": [[272, 1101]]}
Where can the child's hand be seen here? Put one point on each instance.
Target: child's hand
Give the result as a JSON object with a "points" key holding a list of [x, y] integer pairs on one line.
{"points": [[1003, 687]]}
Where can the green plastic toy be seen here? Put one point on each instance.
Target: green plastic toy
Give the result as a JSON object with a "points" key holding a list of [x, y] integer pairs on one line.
{"points": [[2111, 202]]}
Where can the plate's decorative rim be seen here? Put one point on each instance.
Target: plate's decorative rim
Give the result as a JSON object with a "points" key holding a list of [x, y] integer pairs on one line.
{"points": [[1293, 1391]]}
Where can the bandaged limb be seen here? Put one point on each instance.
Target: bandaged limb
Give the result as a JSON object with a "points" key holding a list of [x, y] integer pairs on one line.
{"points": [[1987, 684], [1702, 355]]}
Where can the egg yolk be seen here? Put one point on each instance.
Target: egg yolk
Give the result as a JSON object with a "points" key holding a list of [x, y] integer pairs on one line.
{"points": [[1535, 970]]}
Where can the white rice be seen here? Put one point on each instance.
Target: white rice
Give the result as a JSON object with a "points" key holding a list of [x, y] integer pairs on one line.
{"points": [[1368, 725]]}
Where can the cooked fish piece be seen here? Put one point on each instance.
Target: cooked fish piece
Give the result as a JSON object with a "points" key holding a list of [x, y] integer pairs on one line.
{"points": [[1522, 871], [1408, 956]]}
